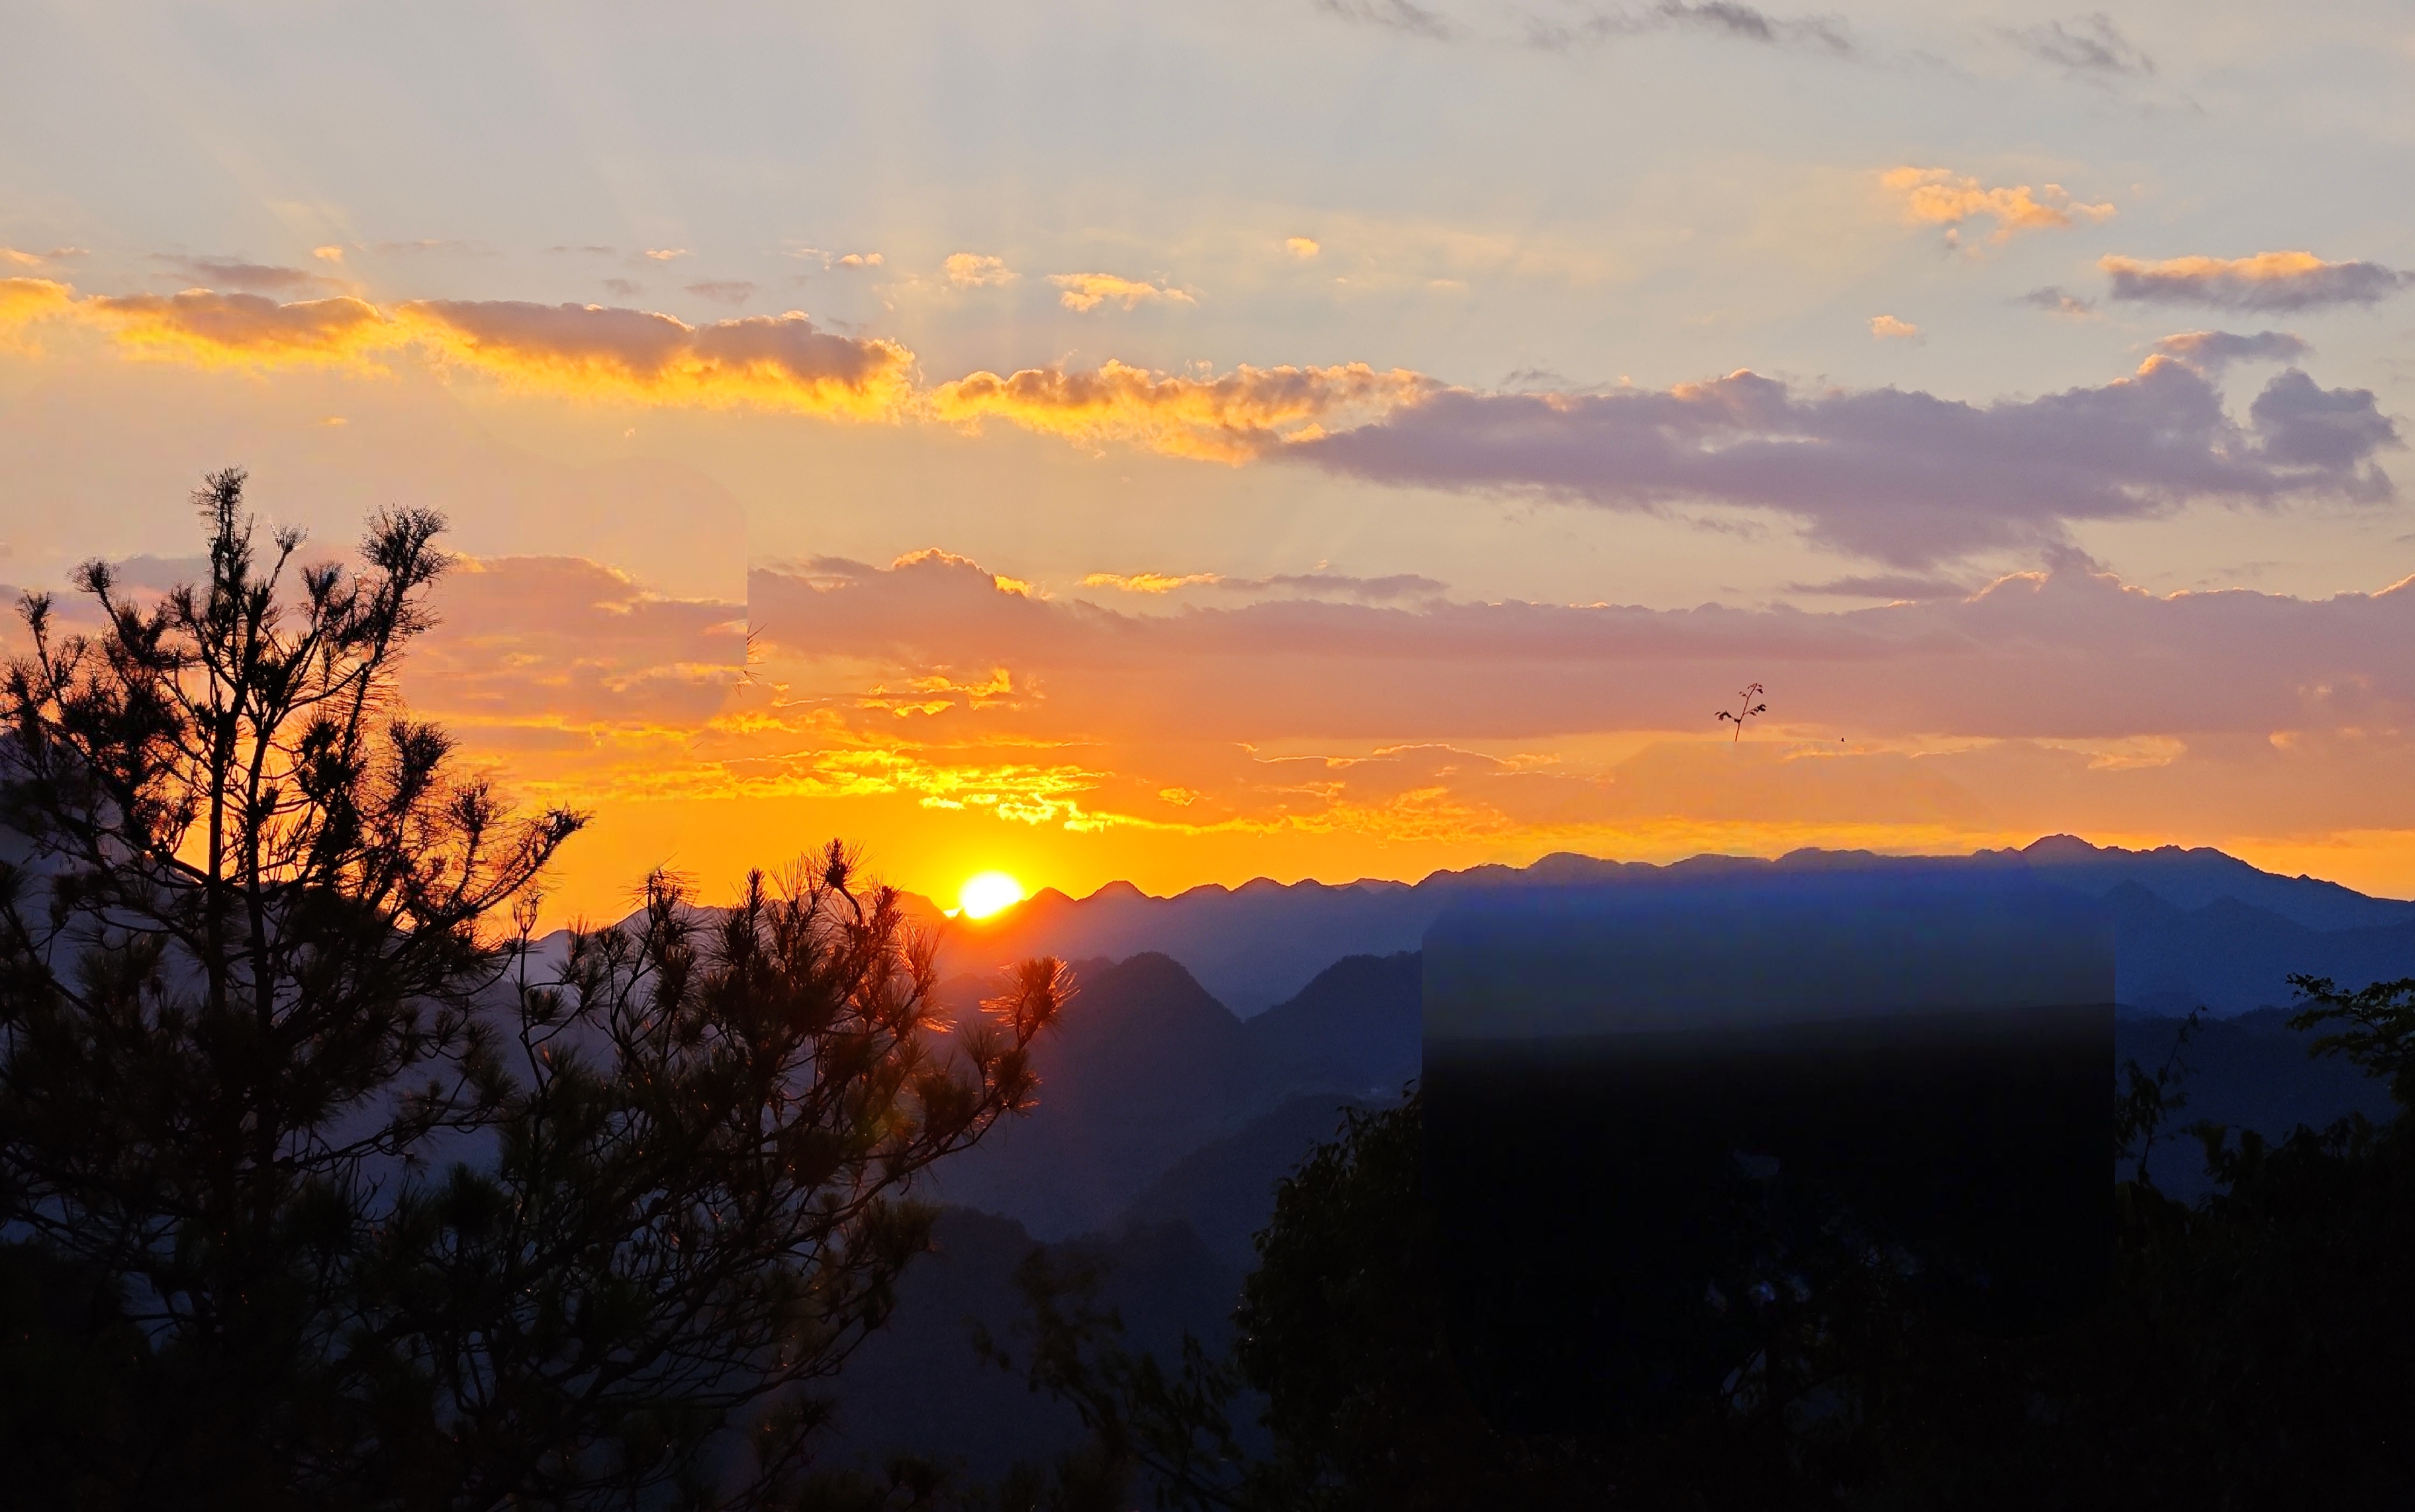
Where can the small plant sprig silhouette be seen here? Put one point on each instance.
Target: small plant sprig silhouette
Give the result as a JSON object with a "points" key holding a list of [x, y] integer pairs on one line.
{"points": [[1745, 709]]}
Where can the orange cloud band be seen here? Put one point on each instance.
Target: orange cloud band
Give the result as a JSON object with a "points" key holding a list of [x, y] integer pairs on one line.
{"points": [[779, 362], [776, 362], [214, 330], [2264, 267], [1232, 418], [2266, 281]]}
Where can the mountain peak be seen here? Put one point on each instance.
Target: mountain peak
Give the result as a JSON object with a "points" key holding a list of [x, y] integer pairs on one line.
{"points": [[2064, 848]]}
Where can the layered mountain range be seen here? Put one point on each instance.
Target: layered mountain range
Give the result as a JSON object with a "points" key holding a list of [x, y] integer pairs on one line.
{"points": [[2194, 927], [1218, 1035]]}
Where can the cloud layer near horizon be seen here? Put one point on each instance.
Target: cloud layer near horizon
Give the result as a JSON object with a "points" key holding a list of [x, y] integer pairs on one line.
{"points": [[1435, 732], [2068, 652], [2060, 698]]}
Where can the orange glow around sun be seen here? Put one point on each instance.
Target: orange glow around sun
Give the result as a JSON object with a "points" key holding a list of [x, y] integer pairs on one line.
{"points": [[986, 892]]}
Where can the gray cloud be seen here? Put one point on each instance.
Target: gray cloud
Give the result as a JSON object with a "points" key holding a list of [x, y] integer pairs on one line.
{"points": [[1394, 15], [431, 244], [2331, 430], [1399, 585], [731, 292], [2058, 300], [1901, 477], [2088, 46], [1722, 17], [2212, 351], [1537, 378], [1893, 587], [223, 272], [2268, 282], [1725, 16]]}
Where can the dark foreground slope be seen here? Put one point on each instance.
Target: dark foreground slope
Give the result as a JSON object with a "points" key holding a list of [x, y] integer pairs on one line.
{"points": [[1178, 1244], [918, 1384], [2248, 1073], [1225, 1192], [1158, 1104]]}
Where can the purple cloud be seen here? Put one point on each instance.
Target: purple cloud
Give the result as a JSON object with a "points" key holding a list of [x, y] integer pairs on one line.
{"points": [[1897, 477]]}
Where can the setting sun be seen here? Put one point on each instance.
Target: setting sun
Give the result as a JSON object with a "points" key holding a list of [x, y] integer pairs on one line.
{"points": [[986, 892]]}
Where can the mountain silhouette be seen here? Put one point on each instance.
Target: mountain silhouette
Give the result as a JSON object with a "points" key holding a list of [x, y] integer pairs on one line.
{"points": [[1146, 1068], [1224, 1191], [1262, 943], [1143, 1068], [1165, 1120]]}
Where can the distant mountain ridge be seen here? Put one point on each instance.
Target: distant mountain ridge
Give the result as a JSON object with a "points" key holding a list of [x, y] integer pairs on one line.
{"points": [[1259, 944], [1145, 1068]]}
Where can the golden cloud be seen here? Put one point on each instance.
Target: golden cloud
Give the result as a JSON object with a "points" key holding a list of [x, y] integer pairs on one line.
{"points": [[1886, 327], [1087, 290], [1938, 197], [209, 329], [777, 362], [977, 270], [23, 301], [1301, 247], [1148, 582], [1231, 418]]}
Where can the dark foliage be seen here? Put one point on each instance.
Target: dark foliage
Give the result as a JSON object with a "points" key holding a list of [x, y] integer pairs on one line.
{"points": [[319, 1189], [2252, 1352]]}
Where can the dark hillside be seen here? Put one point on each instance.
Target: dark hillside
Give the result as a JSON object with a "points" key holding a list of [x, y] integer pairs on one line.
{"points": [[1224, 1191], [1354, 1028], [1148, 1068], [1144, 1068], [2252, 1072], [917, 1384]]}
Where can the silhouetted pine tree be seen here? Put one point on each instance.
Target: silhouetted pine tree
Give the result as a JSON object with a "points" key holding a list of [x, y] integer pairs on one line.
{"points": [[321, 1189]]}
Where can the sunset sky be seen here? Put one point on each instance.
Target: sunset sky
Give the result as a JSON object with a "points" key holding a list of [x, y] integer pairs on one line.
{"points": [[1292, 437]]}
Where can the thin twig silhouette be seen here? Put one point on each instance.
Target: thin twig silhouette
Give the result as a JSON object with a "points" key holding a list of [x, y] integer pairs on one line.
{"points": [[1747, 709]]}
